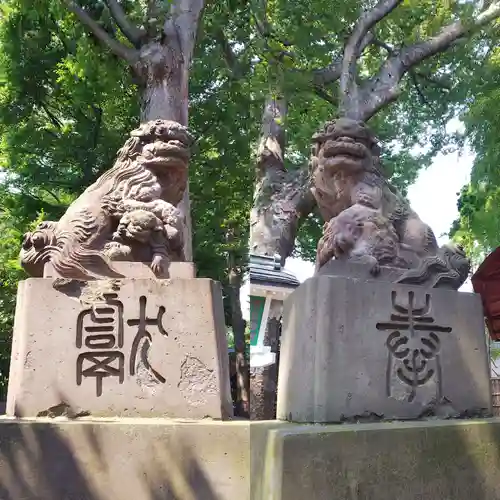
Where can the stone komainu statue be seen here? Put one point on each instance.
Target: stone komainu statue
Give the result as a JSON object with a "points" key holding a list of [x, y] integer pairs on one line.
{"points": [[367, 219], [128, 214]]}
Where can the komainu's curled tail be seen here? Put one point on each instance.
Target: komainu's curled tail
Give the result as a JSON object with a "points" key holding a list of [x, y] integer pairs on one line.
{"points": [[75, 261], [69, 252], [449, 267]]}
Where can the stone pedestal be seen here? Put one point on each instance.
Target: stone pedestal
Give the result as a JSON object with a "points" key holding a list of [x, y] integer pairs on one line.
{"points": [[127, 348], [438, 460], [355, 350], [184, 270], [125, 459]]}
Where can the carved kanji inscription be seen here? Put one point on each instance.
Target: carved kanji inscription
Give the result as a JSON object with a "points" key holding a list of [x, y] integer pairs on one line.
{"points": [[100, 334], [413, 344]]}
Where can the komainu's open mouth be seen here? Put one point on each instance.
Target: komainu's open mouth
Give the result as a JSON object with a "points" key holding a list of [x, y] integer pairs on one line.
{"points": [[345, 146]]}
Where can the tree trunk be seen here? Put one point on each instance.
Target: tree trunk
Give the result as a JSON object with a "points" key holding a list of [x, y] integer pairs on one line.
{"points": [[163, 69], [164, 90], [161, 57], [281, 197], [238, 324]]}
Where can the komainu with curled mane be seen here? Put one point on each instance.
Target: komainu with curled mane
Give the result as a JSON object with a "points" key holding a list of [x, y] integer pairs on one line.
{"points": [[128, 214], [367, 219]]}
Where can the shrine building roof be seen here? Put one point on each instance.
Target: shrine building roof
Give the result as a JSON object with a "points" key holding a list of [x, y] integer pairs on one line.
{"points": [[486, 282], [267, 270]]}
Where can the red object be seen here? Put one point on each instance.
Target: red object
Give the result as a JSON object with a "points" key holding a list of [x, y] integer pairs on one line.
{"points": [[486, 282]]}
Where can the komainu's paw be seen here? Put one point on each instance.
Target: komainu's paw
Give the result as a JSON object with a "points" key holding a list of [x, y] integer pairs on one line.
{"points": [[159, 265]]}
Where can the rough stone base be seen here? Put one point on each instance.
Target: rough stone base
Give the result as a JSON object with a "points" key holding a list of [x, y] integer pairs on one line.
{"points": [[175, 270], [387, 461], [130, 347], [355, 350], [127, 459]]}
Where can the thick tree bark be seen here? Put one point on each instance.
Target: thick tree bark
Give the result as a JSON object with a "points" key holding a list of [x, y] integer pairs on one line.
{"points": [[161, 59], [281, 197]]}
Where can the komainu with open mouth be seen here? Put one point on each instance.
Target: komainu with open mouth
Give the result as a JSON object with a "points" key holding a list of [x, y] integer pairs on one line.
{"points": [[367, 219], [129, 213]]}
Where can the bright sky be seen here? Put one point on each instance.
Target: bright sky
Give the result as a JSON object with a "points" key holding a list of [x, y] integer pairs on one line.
{"points": [[433, 196]]}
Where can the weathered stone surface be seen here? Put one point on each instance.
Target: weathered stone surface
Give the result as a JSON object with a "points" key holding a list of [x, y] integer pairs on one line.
{"points": [[349, 269], [351, 351], [367, 219], [385, 461], [129, 214], [132, 347], [262, 456], [126, 459], [174, 270]]}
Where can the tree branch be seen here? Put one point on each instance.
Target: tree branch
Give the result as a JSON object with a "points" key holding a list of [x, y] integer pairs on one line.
{"points": [[272, 143], [438, 82], [134, 34], [320, 91], [367, 20], [97, 124], [414, 79], [52, 117], [383, 45], [128, 54], [51, 193], [181, 25], [332, 72], [262, 27], [384, 87], [435, 81], [230, 57], [328, 74]]}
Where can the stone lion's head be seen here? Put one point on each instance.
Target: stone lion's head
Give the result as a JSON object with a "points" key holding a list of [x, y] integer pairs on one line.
{"points": [[138, 225], [355, 232], [163, 147], [347, 145], [344, 149]]}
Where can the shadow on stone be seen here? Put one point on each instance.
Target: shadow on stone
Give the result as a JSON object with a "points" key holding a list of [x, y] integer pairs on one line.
{"points": [[37, 464], [127, 459], [185, 480]]}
